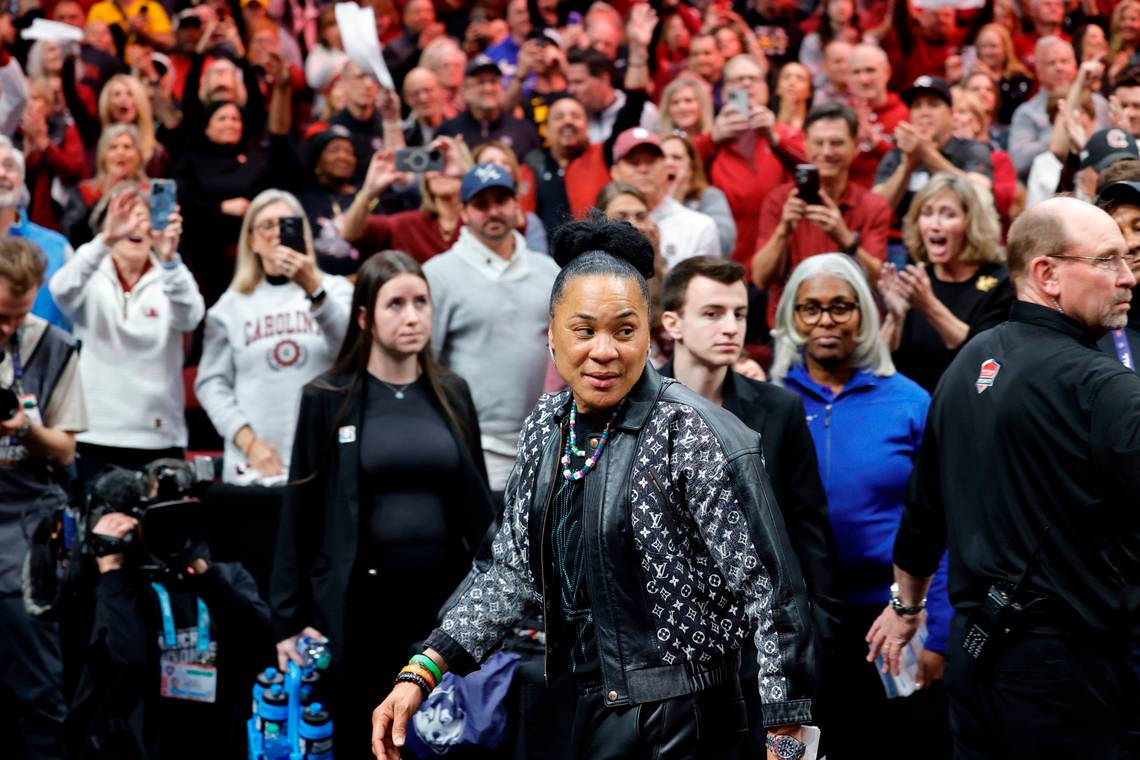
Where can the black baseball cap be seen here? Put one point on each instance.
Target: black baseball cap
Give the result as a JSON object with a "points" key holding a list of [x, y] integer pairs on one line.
{"points": [[925, 85], [482, 62], [1106, 147], [1124, 192]]}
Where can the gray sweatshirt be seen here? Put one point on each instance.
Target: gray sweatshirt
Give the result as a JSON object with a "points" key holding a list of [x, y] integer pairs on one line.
{"points": [[489, 319], [259, 351]]}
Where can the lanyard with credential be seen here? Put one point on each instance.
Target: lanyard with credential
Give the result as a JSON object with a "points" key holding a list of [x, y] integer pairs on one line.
{"points": [[17, 366], [1123, 350], [168, 633]]}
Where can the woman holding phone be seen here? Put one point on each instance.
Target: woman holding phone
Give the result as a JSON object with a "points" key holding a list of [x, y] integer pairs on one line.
{"points": [[278, 326], [131, 300]]}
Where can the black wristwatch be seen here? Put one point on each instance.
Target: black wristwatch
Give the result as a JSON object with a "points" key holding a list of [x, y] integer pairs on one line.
{"points": [[786, 747], [902, 609], [852, 249], [317, 296]]}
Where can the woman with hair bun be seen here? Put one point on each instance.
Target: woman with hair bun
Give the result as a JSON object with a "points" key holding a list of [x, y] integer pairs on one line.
{"points": [[639, 516]]}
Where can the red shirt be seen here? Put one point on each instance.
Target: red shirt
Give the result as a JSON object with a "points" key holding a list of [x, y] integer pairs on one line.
{"points": [[416, 233], [863, 212], [67, 161], [585, 177], [884, 119], [747, 182], [927, 59]]}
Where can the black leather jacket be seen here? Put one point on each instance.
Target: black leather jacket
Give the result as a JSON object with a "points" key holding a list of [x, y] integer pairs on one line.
{"points": [[687, 555]]}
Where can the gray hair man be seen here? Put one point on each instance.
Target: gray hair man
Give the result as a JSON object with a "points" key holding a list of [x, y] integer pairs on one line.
{"points": [[1030, 128]]}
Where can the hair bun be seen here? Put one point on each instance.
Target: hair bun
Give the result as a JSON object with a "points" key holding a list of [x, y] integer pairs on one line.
{"points": [[604, 235]]}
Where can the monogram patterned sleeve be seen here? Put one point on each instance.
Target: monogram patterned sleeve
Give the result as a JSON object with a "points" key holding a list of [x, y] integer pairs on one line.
{"points": [[747, 547], [495, 595]]}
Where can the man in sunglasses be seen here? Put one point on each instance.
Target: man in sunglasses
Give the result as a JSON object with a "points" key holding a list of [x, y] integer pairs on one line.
{"points": [[1030, 473]]}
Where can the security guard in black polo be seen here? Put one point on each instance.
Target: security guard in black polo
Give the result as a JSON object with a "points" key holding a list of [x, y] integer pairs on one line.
{"points": [[1030, 475]]}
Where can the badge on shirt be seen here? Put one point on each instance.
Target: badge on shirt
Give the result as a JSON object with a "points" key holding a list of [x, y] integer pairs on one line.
{"points": [[347, 434], [986, 283], [191, 681], [988, 374]]}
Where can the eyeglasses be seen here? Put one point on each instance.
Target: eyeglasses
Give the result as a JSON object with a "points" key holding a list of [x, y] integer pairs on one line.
{"points": [[839, 312], [1104, 263], [267, 226], [744, 79]]}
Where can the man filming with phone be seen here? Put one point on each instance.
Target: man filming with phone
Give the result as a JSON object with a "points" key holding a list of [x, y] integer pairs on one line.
{"points": [[43, 411], [821, 211]]}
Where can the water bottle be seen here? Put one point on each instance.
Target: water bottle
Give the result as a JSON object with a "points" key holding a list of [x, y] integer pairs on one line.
{"points": [[274, 711], [316, 733], [310, 686], [276, 744], [314, 652], [265, 680]]}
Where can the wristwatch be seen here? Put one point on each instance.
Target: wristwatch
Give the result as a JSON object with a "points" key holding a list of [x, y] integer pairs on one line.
{"points": [[317, 296], [786, 747], [852, 249], [898, 606]]}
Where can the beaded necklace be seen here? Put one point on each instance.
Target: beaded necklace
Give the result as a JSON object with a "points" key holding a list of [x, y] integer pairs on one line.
{"points": [[572, 444]]}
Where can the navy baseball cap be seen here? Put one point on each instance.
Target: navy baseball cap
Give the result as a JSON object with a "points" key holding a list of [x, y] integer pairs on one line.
{"points": [[1124, 192], [482, 177], [1106, 147], [480, 63]]}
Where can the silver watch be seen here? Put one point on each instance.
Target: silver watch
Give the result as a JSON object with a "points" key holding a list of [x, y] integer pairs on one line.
{"points": [[786, 747], [898, 606]]}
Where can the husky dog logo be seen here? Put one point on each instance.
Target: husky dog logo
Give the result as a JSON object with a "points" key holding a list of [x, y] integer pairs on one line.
{"points": [[988, 374], [488, 172], [439, 723]]}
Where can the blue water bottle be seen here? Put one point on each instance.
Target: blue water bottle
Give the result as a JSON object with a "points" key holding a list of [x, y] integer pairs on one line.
{"points": [[275, 746], [274, 711], [265, 679], [315, 734]]}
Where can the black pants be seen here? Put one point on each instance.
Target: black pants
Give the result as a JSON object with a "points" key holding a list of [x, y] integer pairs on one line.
{"points": [[851, 700], [1044, 696], [31, 669], [710, 724]]}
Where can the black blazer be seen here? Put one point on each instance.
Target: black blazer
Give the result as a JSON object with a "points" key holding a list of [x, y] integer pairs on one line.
{"points": [[318, 532], [777, 414]]}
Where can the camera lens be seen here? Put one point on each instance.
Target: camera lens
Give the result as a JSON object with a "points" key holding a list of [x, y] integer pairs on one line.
{"points": [[417, 161]]}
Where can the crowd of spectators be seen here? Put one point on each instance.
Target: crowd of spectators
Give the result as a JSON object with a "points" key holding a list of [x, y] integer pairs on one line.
{"points": [[864, 158]]}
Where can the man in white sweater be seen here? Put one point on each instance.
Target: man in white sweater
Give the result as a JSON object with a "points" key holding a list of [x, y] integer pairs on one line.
{"points": [[490, 308]]}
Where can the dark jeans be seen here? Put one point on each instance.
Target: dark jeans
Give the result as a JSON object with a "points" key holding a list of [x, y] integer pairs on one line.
{"points": [[31, 669], [710, 724], [1043, 696]]}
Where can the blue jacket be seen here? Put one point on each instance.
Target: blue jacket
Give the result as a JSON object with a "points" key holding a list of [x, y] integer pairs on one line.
{"points": [[867, 439], [57, 251]]}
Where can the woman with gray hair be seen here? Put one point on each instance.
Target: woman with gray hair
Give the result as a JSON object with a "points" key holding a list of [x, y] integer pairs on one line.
{"points": [[278, 326], [959, 285], [867, 423]]}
